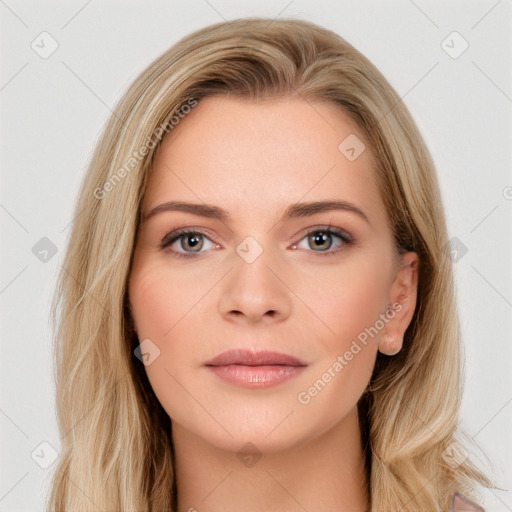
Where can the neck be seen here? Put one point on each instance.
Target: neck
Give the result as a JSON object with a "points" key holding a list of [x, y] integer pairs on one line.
{"points": [[325, 473]]}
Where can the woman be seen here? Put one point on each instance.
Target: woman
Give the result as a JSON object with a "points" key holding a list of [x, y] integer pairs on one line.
{"points": [[257, 311]]}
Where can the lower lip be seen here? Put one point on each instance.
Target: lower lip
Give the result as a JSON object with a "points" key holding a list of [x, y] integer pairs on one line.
{"points": [[255, 377]]}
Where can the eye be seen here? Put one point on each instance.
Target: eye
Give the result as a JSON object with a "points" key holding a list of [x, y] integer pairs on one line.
{"points": [[187, 242], [320, 240]]}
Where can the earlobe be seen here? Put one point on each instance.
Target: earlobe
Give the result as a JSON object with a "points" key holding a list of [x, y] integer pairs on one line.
{"points": [[403, 297], [390, 345]]}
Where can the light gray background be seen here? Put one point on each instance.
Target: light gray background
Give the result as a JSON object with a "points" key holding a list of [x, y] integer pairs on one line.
{"points": [[52, 111]]}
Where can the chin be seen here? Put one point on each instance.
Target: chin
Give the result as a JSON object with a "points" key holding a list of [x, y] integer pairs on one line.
{"points": [[264, 431]]}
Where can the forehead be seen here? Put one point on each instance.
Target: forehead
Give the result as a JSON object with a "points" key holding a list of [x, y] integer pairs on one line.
{"points": [[255, 157]]}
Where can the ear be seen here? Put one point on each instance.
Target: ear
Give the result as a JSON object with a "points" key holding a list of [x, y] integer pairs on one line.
{"points": [[402, 303]]}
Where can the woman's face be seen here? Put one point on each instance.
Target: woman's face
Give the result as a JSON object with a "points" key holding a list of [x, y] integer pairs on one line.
{"points": [[263, 327]]}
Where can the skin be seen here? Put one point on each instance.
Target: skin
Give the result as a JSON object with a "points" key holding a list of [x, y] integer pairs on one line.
{"points": [[254, 160]]}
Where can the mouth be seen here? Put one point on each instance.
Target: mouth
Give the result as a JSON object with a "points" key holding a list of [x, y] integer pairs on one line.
{"points": [[255, 370]]}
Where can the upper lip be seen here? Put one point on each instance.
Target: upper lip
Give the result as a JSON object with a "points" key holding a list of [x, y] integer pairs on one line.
{"points": [[254, 358]]}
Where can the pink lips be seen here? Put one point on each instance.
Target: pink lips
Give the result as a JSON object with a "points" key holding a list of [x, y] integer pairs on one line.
{"points": [[255, 370]]}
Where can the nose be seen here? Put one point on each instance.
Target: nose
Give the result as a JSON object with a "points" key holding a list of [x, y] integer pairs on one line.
{"points": [[255, 292]]}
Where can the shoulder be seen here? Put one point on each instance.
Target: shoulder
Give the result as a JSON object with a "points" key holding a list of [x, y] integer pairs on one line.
{"points": [[461, 503]]}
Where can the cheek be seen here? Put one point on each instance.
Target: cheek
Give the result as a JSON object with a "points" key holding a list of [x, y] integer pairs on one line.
{"points": [[163, 303], [160, 298], [171, 305], [347, 298]]}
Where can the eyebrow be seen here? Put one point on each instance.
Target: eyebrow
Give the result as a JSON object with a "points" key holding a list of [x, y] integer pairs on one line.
{"points": [[293, 211]]}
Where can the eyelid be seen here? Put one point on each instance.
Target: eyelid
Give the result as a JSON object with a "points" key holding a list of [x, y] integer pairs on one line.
{"points": [[343, 233], [174, 235]]}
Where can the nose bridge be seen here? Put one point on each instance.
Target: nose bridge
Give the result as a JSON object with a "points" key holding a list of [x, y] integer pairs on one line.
{"points": [[253, 288]]}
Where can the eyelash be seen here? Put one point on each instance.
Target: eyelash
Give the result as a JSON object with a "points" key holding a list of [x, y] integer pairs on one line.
{"points": [[171, 237]]}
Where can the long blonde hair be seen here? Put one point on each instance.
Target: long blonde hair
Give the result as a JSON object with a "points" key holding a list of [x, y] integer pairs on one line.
{"points": [[116, 450]]}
